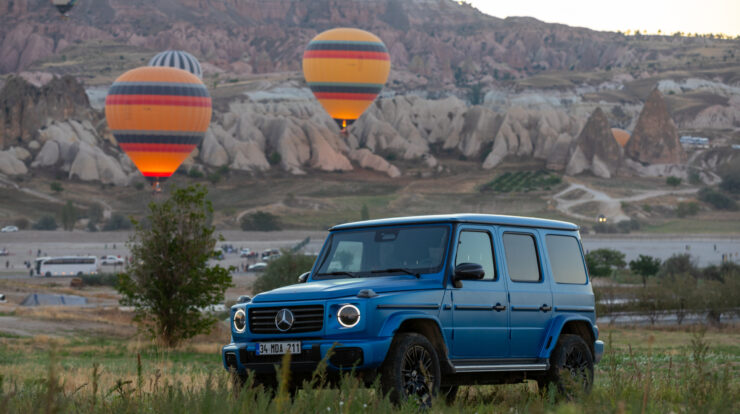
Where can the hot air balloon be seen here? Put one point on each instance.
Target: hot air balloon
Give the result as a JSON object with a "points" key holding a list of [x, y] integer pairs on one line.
{"points": [[178, 59], [158, 115], [346, 69], [621, 136], [64, 6]]}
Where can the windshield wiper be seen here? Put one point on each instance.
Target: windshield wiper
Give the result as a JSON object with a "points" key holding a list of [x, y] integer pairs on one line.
{"points": [[398, 270], [339, 273]]}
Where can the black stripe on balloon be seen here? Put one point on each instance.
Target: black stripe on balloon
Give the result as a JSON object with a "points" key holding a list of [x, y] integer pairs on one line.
{"points": [[159, 139], [142, 89], [359, 47], [345, 89]]}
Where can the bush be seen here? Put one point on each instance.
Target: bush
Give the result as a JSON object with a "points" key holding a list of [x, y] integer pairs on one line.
{"points": [[602, 262], [687, 209], [195, 173], [45, 223], [102, 279], [717, 199], [117, 222], [730, 175], [678, 264], [56, 187], [673, 181], [283, 271], [95, 213], [92, 227], [260, 221], [139, 185], [274, 158], [22, 223]]}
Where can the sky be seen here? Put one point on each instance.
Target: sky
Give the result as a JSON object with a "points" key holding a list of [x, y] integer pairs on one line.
{"points": [[669, 16]]}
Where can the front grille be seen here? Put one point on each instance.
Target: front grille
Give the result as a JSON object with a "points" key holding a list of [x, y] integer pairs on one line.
{"points": [[307, 319]]}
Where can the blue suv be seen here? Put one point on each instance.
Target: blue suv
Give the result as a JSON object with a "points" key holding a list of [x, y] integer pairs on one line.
{"points": [[430, 303]]}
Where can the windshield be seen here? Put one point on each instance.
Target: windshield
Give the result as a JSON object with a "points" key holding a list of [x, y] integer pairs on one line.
{"points": [[383, 251]]}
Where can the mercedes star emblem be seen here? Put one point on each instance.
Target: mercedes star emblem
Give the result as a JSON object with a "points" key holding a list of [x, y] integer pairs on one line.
{"points": [[284, 320]]}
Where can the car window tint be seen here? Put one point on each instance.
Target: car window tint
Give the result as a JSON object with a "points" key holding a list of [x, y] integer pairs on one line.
{"points": [[347, 258], [566, 260], [475, 247], [521, 257]]}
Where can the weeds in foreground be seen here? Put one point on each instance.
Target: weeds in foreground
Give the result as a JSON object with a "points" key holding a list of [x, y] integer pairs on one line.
{"points": [[646, 381]]}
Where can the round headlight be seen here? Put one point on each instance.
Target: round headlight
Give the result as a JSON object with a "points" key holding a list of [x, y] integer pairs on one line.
{"points": [[348, 316], [240, 321]]}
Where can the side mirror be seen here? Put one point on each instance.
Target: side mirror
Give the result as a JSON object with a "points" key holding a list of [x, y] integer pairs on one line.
{"points": [[304, 277], [467, 271]]}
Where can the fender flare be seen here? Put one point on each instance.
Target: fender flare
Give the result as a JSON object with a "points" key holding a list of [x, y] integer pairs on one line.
{"points": [[556, 326], [394, 321]]}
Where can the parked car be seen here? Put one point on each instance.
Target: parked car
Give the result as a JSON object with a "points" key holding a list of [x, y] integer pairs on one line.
{"points": [[111, 260], [9, 229], [245, 252], [4, 252], [430, 303], [228, 248], [257, 267], [2, 298]]}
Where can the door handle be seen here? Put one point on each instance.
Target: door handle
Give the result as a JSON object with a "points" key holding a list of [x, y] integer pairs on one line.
{"points": [[499, 307], [545, 308]]}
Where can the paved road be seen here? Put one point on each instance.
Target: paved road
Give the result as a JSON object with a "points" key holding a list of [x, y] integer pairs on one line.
{"points": [[704, 251]]}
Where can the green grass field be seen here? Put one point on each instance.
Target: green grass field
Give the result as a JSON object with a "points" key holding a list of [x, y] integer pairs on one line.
{"points": [[651, 371]]}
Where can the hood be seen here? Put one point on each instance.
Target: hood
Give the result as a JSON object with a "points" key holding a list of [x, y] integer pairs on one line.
{"points": [[337, 288]]}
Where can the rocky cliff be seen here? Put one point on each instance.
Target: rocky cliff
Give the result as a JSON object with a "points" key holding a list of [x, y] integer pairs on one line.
{"points": [[655, 138], [595, 150]]}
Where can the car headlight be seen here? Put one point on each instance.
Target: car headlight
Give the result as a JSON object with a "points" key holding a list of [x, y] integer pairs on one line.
{"points": [[240, 321], [348, 316]]}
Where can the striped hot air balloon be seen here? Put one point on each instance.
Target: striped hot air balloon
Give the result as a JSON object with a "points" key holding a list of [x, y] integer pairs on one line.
{"points": [[178, 59], [346, 69], [158, 115]]}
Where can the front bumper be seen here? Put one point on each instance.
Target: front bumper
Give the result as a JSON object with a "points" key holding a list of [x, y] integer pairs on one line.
{"points": [[598, 351], [358, 354]]}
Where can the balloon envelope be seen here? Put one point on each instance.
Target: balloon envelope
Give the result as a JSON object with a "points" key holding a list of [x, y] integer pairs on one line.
{"points": [[178, 59], [63, 5], [346, 69], [621, 136], [158, 115]]}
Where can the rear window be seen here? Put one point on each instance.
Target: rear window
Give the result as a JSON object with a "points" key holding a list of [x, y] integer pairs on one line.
{"points": [[521, 257], [566, 260]]}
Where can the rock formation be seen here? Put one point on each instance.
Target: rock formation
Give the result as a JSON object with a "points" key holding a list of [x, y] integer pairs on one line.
{"points": [[595, 149], [655, 137]]}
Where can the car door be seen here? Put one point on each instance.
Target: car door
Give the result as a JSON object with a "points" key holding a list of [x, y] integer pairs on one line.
{"points": [[480, 311], [529, 291]]}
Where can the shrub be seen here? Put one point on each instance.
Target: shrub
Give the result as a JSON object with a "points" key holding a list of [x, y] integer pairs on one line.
{"points": [[95, 213], [117, 222], [673, 181], [687, 209], [170, 279], [102, 279], [283, 271], [45, 223], [22, 223], [274, 158], [678, 264], [139, 185], [92, 227], [56, 187], [602, 262], [717, 199], [260, 221], [195, 173], [730, 175], [214, 177]]}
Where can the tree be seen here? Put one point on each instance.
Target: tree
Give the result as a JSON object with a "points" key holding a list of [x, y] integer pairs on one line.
{"points": [[602, 262], [673, 181], [283, 271], [364, 213], [45, 223], [716, 199], [169, 280], [645, 266], [95, 213], [730, 175], [117, 222], [69, 216]]}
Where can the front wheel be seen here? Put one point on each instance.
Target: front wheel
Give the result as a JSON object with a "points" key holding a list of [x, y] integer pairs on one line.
{"points": [[411, 369], [571, 367]]}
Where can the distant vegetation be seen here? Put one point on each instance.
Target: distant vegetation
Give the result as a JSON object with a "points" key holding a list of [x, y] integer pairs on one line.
{"points": [[260, 221], [523, 181], [45, 223], [283, 271], [117, 221], [717, 199]]}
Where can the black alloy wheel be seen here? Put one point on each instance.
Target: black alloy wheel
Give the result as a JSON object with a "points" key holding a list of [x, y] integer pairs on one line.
{"points": [[571, 367], [411, 370]]}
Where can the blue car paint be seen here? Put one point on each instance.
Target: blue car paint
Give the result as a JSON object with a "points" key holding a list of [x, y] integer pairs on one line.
{"points": [[432, 298]]}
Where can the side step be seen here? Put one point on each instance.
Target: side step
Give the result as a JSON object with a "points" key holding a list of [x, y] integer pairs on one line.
{"points": [[499, 368]]}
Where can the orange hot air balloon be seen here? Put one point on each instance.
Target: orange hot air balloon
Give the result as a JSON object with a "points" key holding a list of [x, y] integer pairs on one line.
{"points": [[346, 70], [621, 136], [158, 115]]}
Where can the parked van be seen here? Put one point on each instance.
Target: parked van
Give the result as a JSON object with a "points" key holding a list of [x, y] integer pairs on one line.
{"points": [[430, 303]]}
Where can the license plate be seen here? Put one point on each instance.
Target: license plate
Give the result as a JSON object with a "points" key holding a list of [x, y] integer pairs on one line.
{"points": [[278, 348]]}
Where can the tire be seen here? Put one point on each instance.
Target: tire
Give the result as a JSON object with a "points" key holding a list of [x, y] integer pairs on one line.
{"points": [[411, 369], [571, 367]]}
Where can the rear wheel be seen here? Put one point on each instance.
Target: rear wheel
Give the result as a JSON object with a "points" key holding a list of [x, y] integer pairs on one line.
{"points": [[411, 369], [571, 367]]}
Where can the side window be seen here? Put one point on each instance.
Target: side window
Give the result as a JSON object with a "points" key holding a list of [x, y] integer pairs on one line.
{"points": [[347, 257], [521, 257], [566, 260], [475, 247]]}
